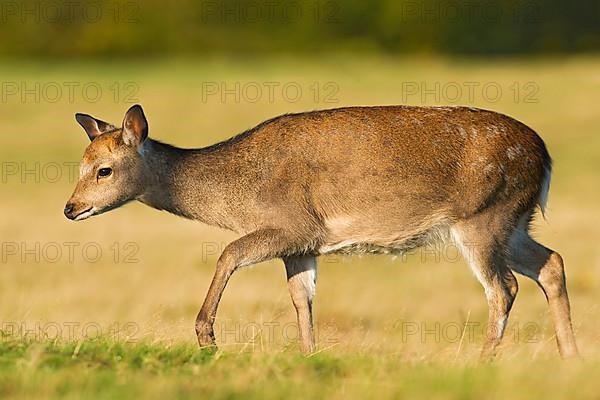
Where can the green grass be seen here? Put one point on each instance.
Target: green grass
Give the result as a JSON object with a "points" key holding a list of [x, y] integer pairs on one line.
{"points": [[104, 369]]}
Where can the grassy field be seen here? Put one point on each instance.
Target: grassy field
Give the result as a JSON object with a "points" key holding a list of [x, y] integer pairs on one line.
{"points": [[115, 370], [105, 308]]}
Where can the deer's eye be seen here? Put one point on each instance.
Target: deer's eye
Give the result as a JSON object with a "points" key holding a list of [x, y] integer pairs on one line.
{"points": [[104, 172]]}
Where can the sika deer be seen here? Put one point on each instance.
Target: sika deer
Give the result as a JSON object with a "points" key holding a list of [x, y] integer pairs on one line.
{"points": [[359, 179]]}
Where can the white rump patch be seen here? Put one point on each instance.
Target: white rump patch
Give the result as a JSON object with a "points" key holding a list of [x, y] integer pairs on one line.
{"points": [[543, 199]]}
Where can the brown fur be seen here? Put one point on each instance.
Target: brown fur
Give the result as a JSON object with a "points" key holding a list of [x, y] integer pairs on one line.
{"points": [[345, 180]]}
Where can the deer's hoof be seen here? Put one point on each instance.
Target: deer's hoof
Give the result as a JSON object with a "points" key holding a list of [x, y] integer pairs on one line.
{"points": [[206, 341], [206, 336]]}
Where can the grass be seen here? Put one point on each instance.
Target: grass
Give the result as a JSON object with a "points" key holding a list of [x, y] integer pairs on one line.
{"points": [[107, 369], [142, 293]]}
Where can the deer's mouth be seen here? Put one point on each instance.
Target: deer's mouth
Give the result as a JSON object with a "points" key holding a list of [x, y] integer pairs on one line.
{"points": [[85, 214]]}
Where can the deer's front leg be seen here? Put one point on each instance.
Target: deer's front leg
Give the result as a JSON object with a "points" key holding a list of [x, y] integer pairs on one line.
{"points": [[302, 279], [253, 248]]}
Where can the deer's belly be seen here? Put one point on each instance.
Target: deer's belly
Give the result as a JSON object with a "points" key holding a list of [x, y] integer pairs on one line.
{"points": [[349, 236]]}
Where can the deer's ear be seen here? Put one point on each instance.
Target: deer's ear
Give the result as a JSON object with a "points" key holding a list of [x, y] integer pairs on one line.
{"points": [[135, 126], [92, 126]]}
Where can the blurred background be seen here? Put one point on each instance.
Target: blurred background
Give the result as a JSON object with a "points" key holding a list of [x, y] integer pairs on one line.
{"points": [[206, 70], [105, 28]]}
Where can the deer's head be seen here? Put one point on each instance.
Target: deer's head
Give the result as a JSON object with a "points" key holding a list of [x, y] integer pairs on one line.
{"points": [[112, 171]]}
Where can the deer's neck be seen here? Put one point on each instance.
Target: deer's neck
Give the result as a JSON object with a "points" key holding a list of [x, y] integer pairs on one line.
{"points": [[185, 182]]}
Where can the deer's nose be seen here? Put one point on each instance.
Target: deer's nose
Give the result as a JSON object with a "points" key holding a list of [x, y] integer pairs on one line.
{"points": [[69, 210]]}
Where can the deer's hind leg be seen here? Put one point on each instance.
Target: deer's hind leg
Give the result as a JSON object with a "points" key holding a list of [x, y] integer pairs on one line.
{"points": [[483, 239], [302, 279], [546, 268]]}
